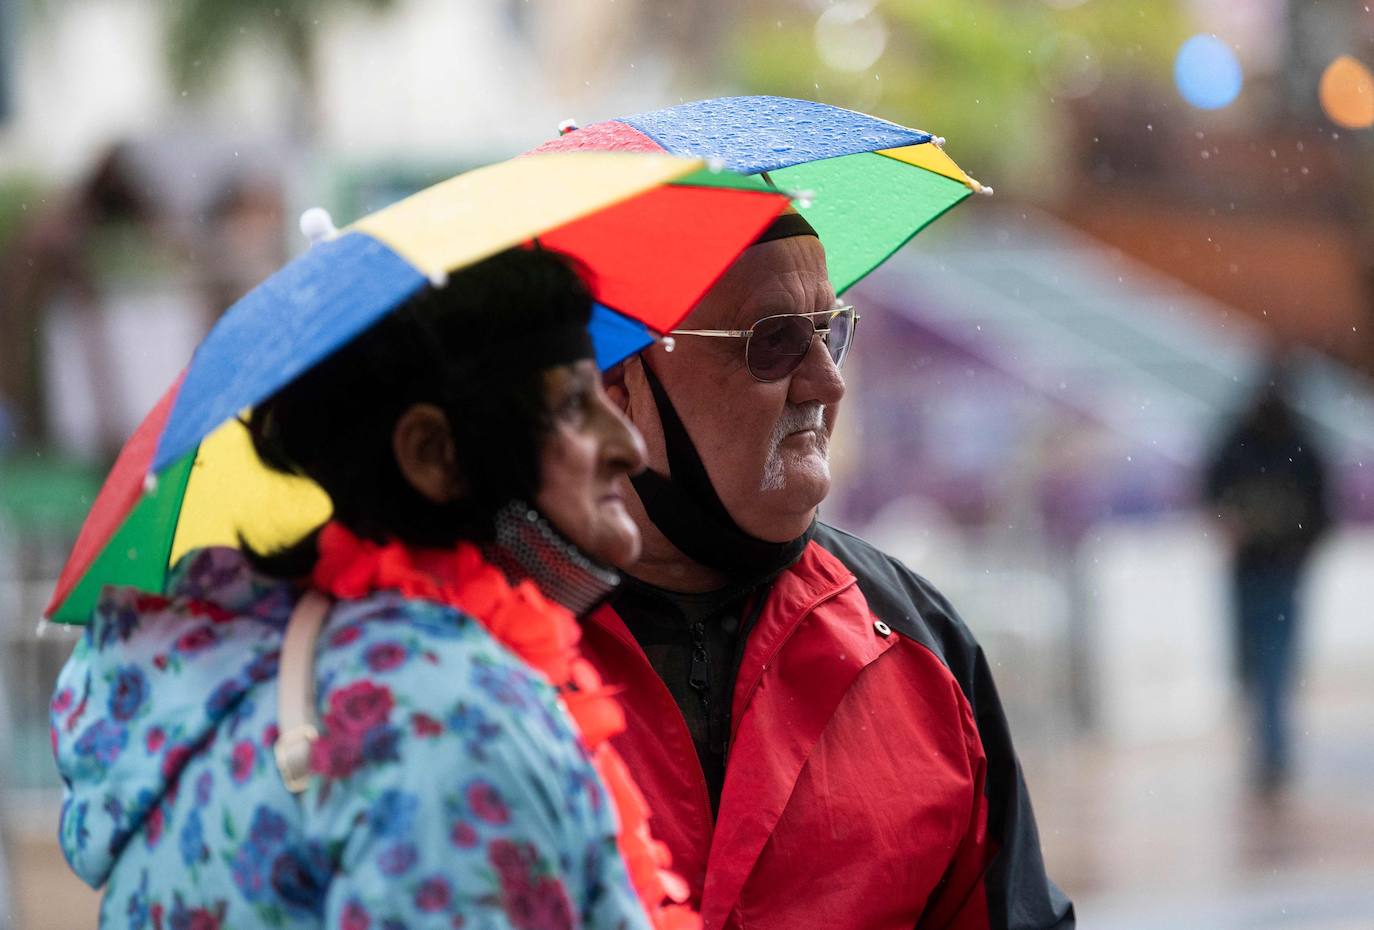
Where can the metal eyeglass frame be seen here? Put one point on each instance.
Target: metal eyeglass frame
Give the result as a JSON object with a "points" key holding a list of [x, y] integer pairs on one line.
{"points": [[747, 334]]}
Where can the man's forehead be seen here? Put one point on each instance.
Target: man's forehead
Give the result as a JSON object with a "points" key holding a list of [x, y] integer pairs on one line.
{"points": [[782, 276]]}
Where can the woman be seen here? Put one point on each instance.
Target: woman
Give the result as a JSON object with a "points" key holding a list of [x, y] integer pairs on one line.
{"points": [[449, 783]]}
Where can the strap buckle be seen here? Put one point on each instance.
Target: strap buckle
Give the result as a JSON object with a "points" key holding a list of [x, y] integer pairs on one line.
{"points": [[292, 750]]}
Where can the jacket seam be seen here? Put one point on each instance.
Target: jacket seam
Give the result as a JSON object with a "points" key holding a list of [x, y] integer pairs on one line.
{"points": [[773, 653]]}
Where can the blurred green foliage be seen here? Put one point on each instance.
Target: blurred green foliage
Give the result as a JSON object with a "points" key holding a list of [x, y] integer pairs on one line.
{"points": [[202, 33], [20, 196], [990, 75]]}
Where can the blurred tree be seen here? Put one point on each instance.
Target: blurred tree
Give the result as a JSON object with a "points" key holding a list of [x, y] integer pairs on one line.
{"points": [[202, 33], [994, 76]]}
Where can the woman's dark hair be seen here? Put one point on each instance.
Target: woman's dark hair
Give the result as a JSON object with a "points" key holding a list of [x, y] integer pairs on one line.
{"points": [[471, 349]]}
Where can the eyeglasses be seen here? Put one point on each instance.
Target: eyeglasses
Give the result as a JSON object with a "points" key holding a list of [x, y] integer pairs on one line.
{"points": [[777, 344]]}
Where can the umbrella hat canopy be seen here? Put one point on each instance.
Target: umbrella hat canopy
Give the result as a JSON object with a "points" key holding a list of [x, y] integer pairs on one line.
{"points": [[866, 185], [584, 205], [653, 231]]}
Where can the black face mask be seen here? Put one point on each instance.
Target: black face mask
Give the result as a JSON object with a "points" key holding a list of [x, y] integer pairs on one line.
{"points": [[687, 510]]}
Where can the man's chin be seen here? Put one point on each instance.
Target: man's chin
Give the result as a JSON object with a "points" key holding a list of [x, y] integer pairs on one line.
{"points": [[807, 476], [793, 506]]}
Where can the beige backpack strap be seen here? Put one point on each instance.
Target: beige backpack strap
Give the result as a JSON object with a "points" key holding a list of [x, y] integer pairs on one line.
{"points": [[296, 690]]}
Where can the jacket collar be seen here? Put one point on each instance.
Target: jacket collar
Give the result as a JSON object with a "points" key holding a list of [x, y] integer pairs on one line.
{"points": [[813, 638]]}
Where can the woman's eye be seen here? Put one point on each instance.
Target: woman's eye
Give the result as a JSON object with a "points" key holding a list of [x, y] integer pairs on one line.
{"points": [[573, 406]]}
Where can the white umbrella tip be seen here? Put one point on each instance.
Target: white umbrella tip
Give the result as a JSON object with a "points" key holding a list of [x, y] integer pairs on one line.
{"points": [[317, 225], [150, 483], [567, 126]]}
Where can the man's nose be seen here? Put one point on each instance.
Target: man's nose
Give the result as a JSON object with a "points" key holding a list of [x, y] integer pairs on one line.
{"points": [[817, 378]]}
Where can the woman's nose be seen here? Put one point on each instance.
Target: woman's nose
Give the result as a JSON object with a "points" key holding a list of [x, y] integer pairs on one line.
{"points": [[623, 448]]}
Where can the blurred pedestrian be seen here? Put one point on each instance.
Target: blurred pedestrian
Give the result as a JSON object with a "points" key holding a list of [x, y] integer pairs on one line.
{"points": [[54, 261], [1267, 482], [243, 239], [471, 456]]}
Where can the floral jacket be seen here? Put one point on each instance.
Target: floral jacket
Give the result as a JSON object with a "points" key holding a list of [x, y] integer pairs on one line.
{"points": [[456, 794]]}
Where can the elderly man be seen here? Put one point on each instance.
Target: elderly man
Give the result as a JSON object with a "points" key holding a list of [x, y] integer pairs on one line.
{"points": [[817, 732]]}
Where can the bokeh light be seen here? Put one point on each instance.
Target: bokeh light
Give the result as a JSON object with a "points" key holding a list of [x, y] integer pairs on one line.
{"points": [[1207, 73], [1347, 93], [851, 36]]}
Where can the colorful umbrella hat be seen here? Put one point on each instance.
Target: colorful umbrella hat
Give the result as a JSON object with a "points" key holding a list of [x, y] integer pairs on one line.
{"points": [[654, 231], [866, 185]]}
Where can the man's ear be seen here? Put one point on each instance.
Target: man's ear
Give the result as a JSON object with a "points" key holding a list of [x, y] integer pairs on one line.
{"points": [[613, 379], [423, 445]]}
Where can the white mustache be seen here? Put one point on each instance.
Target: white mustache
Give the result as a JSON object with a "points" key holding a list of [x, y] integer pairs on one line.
{"points": [[794, 419], [797, 417]]}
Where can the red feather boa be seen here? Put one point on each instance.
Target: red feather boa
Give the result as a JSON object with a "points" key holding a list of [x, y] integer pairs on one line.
{"points": [[545, 636]]}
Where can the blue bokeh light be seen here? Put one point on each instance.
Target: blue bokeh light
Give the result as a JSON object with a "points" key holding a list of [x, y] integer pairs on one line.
{"points": [[1207, 73]]}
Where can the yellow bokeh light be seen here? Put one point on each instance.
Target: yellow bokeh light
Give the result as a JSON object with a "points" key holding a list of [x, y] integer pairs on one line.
{"points": [[1347, 93]]}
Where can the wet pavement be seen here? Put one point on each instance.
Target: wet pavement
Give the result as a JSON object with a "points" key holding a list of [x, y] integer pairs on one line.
{"points": [[1176, 836], [1159, 837]]}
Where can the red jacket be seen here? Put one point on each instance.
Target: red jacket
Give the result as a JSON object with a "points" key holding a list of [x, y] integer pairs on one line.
{"points": [[870, 783]]}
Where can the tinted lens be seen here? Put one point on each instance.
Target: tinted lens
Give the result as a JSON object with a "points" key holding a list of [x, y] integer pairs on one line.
{"points": [[841, 335], [778, 345]]}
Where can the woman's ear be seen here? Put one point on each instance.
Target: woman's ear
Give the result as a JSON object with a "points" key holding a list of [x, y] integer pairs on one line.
{"points": [[423, 445]]}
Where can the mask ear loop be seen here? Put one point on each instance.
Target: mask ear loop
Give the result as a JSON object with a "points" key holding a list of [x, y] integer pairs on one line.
{"points": [[684, 463], [687, 510]]}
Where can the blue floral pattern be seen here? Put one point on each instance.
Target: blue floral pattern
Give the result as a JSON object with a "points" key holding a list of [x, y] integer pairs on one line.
{"points": [[450, 791]]}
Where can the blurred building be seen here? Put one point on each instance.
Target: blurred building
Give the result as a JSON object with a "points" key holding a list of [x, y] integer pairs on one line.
{"points": [[413, 80], [1265, 206], [1030, 416]]}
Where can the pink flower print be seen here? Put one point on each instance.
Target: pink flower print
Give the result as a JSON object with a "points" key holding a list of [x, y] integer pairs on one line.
{"points": [[486, 804], [196, 640], [241, 761], [152, 827], [383, 657], [354, 917], [348, 634], [425, 725], [463, 835], [433, 895], [358, 707], [336, 754]]}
